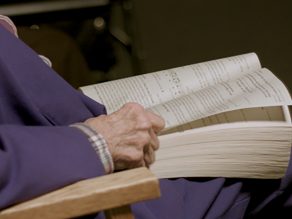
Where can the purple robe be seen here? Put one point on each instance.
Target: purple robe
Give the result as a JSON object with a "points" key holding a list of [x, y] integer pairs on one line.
{"points": [[40, 153]]}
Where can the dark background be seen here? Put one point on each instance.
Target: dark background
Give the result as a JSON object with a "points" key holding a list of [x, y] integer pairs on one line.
{"points": [[127, 37], [175, 33]]}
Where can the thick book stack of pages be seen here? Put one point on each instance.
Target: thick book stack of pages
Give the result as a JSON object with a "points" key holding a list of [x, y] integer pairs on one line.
{"points": [[224, 118]]}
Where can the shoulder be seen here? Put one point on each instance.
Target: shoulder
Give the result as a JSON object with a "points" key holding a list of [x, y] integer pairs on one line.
{"points": [[8, 24]]}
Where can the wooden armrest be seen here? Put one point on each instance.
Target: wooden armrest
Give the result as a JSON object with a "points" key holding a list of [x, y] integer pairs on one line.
{"points": [[90, 196]]}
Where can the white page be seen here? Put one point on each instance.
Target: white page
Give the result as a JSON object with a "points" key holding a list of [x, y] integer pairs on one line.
{"points": [[256, 89], [274, 113], [154, 88], [225, 132], [226, 150]]}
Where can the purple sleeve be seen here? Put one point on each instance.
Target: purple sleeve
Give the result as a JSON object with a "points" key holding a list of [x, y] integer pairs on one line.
{"points": [[38, 152], [35, 160]]}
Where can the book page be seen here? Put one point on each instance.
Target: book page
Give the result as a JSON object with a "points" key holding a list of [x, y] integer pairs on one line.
{"points": [[158, 87], [245, 150], [255, 89], [274, 113]]}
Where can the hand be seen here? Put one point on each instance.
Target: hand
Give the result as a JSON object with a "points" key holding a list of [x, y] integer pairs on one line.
{"points": [[131, 135]]}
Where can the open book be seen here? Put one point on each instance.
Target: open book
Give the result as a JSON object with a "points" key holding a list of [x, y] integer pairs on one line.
{"points": [[224, 118]]}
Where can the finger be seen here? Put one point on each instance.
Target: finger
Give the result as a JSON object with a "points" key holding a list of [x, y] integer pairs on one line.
{"points": [[120, 166], [149, 155], [154, 142], [131, 110], [126, 162], [157, 122]]}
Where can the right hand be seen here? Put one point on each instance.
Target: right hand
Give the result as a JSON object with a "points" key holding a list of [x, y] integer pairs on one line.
{"points": [[131, 135]]}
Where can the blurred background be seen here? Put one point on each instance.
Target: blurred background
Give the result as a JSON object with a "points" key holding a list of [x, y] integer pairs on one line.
{"points": [[91, 41]]}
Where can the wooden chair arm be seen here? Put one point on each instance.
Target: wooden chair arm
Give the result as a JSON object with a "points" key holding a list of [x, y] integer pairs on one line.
{"points": [[89, 196]]}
